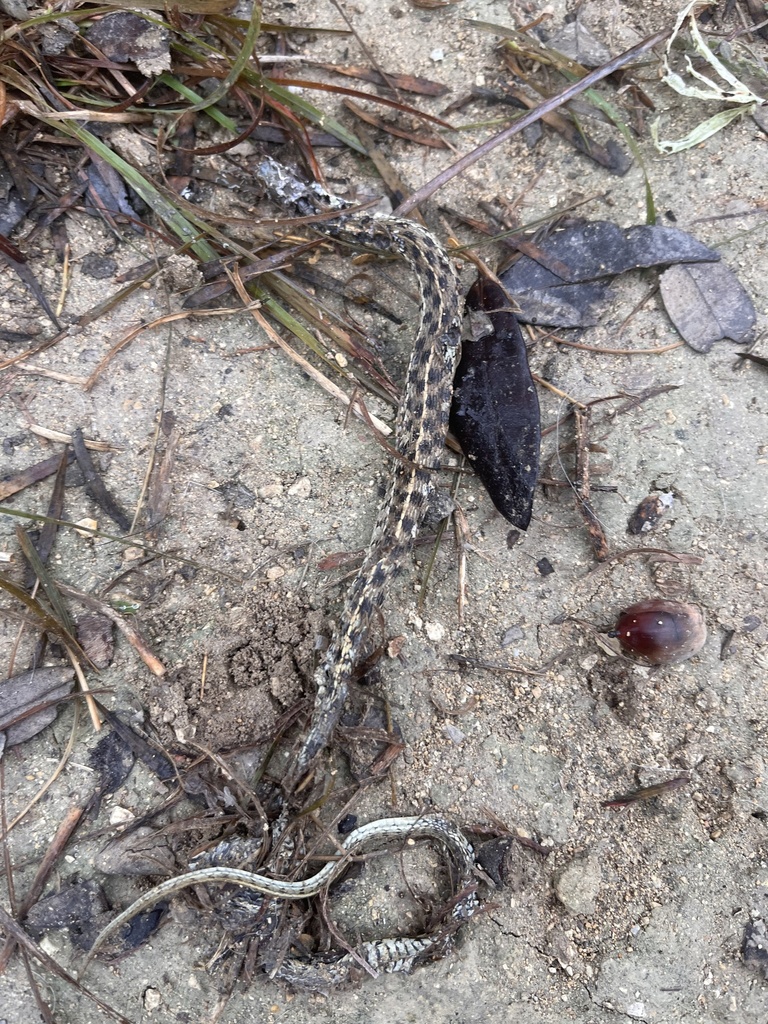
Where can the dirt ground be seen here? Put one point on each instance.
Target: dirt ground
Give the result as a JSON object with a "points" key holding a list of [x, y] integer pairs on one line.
{"points": [[637, 913]]}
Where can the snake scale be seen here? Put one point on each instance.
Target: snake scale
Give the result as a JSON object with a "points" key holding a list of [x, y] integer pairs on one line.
{"points": [[321, 973], [420, 429], [419, 438]]}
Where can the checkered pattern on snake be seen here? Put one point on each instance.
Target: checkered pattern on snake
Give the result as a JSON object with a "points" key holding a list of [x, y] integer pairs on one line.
{"points": [[420, 429], [419, 436], [323, 972]]}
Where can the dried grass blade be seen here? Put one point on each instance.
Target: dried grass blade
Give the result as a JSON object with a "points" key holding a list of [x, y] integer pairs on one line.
{"points": [[56, 772], [306, 366], [39, 569], [132, 541], [46, 620], [32, 285], [404, 108], [14, 930], [433, 141], [407, 83]]}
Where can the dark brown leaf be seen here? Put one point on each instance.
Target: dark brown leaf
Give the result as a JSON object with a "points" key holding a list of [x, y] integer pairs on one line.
{"points": [[495, 411], [31, 475]]}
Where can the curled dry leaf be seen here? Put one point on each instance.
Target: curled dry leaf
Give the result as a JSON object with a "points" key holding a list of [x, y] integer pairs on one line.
{"points": [[21, 693], [706, 303], [95, 634], [592, 252]]}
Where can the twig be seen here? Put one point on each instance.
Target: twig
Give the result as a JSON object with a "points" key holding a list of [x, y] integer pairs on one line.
{"points": [[66, 828], [56, 772], [581, 486], [14, 930], [95, 486], [59, 435], [528, 119], [91, 703], [131, 634]]}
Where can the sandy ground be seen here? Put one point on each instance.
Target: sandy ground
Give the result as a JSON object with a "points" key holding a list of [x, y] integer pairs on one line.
{"points": [[634, 914]]}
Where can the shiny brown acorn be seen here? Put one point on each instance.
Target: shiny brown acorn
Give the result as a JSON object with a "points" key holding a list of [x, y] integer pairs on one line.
{"points": [[661, 632]]}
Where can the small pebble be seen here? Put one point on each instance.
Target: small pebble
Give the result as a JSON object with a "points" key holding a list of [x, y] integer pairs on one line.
{"points": [[435, 631], [453, 734], [119, 815], [302, 488], [152, 999]]}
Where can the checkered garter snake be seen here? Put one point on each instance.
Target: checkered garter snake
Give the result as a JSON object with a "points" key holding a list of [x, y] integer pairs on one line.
{"points": [[321, 973], [419, 437], [420, 429]]}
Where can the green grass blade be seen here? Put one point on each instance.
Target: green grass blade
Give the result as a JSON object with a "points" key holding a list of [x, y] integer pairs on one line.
{"points": [[238, 66], [189, 94]]}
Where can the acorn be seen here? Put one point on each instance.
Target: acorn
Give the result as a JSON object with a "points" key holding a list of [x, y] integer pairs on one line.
{"points": [[660, 632]]}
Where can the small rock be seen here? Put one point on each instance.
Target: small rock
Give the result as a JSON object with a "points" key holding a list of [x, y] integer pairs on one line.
{"points": [[89, 525], [302, 488], [511, 635], [119, 815], [181, 272], [453, 734], [152, 999], [275, 572], [98, 267], [435, 631]]}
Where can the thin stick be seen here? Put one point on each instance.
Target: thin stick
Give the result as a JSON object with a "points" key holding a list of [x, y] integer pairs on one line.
{"points": [[595, 529], [528, 119], [66, 828], [307, 367], [56, 772], [14, 930], [614, 351], [92, 709], [203, 675]]}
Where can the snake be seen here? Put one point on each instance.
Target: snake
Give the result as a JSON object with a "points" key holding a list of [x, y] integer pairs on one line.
{"points": [[419, 436], [323, 972]]}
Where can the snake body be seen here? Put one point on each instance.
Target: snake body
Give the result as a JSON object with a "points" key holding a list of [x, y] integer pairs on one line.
{"points": [[322, 973], [420, 428], [419, 437]]}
